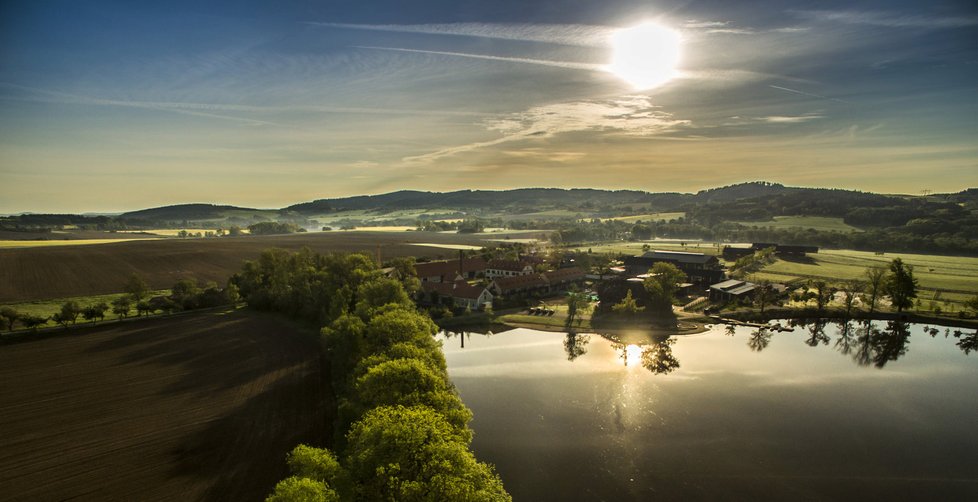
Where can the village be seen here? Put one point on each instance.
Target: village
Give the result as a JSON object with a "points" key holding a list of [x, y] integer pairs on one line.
{"points": [[533, 280]]}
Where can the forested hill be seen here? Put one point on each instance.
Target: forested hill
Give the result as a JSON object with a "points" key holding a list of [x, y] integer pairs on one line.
{"points": [[190, 212], [481, 199]]}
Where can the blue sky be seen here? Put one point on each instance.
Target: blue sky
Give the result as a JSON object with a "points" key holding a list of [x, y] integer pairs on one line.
{"points": [[108, 106]]}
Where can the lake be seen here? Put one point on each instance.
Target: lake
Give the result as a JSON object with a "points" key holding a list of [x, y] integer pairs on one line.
{"points": [[880, 411]]}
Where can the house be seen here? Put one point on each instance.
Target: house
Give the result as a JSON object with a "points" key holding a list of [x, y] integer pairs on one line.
{"points": [[507, 268], [458, 294], [732, 290], [451, 270], [563, 277], [531, 283], [699, 268]]}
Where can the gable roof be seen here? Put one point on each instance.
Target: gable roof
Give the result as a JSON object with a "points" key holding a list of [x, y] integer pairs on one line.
{"points": [[449, 267], [675, 256], [564, 274], [521, 281], [511, 265]]}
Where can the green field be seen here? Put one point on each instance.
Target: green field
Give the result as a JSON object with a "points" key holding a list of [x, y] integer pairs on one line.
{"points": [[821, 223], [635, 248], [47, 308], [954, 276]]}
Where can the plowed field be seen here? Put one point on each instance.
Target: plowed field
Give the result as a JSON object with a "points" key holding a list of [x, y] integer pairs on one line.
{"points": [[195, 407], [43, 273]]}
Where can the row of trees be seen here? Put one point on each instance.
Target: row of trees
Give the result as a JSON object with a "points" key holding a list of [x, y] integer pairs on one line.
{"points": [[402, 431], [186, 294]]}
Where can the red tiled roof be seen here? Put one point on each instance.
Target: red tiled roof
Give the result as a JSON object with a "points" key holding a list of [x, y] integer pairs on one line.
{"points": [[511, 265], [564, 274], [450, 267], [521, 281]]}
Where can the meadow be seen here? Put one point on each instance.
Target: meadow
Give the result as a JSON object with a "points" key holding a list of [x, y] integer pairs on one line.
{"points": [[821, 223]]}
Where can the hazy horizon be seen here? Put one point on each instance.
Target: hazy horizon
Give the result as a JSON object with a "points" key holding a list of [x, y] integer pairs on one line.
{"points": [[111, 107]]}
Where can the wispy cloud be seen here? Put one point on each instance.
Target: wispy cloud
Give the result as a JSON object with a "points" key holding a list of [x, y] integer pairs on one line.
{"points": [[887, 19], [209, 109], [803, 93], [565, 34], [790, 119], [542, 62], [628, 115]]}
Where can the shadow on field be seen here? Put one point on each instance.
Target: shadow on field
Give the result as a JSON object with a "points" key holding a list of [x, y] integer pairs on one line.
{"points": [[242, 453], [211, 352], [263, 379], [799, 259]]}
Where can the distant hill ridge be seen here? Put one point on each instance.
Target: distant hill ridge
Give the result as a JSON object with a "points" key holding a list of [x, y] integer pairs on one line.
{"points": [[531, 197], [186, 212]]}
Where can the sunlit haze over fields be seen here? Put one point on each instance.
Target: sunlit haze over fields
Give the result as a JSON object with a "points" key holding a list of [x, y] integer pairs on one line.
{"points": [[113, 105]]}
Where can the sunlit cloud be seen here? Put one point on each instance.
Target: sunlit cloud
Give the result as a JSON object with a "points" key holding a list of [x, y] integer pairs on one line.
{"points": [[790, 119], [564, 34], [887, 19], [628, 115]]}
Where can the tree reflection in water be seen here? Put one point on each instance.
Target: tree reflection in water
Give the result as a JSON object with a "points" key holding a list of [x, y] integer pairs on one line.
{"points": [[844, 344], [968, 342], [880, 346], [817, 334], [657, 357], [576, 345], [759, 339]]}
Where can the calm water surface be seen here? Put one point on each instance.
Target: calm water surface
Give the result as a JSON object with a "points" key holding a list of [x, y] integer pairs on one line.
{"points": [[880, 412]]}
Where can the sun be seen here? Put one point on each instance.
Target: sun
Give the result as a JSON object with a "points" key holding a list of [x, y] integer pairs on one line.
{"points": [[645, 56]]}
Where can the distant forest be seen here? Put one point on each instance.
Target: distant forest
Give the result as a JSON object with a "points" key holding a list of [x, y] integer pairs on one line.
{"points": [[933, 223]]}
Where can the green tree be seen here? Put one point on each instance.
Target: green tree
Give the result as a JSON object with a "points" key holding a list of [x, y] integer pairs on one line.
{"points": [[95, 312], [315, 463], [972, 304], [764, 294], [9, 316], [823, 293], [627, 305], [232, 293], [121, 306], [185, 292], [299, 489], [412, 382], [663, 282], [875, 285], [70, 310], [136, 287], [32, 322], [378, 294], [901, 286], [414, 454], [850, 290], [576, 302]]}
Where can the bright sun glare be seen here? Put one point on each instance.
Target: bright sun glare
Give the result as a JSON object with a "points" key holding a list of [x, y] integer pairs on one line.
{"points": [[646, 55]]}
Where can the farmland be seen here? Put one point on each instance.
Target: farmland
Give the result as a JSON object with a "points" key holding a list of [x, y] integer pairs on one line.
{"points": [[823, 223], [67, 271], [193, 407]]}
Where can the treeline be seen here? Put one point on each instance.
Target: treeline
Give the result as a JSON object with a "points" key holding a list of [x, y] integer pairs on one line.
{"points": [[401, 430], [962, 242], [186, 294], [273, 228]]}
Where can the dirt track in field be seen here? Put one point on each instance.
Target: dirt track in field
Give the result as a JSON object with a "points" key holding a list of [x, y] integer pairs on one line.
{"points": [[43, 273], [195, 407]]}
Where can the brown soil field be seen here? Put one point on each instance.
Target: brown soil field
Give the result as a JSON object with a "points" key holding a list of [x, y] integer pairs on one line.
{"points": [[191, 407], [45, 273]]}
